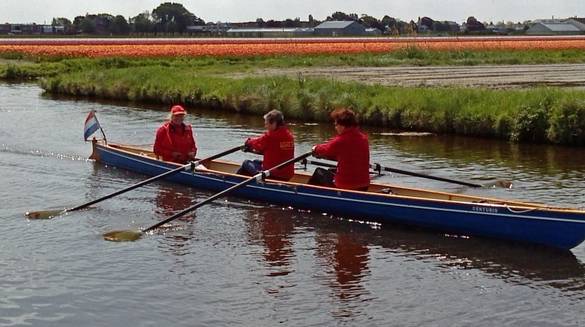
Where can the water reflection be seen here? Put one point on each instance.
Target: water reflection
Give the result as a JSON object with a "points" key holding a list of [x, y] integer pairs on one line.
{"points": [[274, 231], [348, 257], [171, 199], [513, 263], [345, 250]]}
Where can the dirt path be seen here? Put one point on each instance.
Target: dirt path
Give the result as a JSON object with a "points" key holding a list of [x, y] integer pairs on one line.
{"points": [[500, 76]]}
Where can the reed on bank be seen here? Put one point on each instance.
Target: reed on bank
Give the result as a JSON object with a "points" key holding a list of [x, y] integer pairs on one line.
{"points": [[547, 115]]}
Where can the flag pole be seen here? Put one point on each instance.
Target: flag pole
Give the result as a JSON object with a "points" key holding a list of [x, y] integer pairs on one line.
{"points": [[97, 122], [101, 129]]}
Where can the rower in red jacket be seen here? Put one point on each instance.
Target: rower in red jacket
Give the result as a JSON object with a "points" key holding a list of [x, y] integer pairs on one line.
{"points": [[350, 148], [277, 145], [174, 139]]}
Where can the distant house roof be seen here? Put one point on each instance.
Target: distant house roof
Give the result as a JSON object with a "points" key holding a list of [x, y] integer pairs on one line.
{"points": [[556, 26], [561, 27], [335, 24], [579, 22]]}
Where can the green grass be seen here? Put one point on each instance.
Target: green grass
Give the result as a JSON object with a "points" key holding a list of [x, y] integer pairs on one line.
{"points": [[549, 115], [36, 67]]}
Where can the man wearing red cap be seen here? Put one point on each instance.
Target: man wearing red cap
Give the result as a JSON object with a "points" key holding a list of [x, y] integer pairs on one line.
{"points": [[174, 139]]}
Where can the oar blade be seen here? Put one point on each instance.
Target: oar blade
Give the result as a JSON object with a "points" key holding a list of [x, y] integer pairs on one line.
{"points": [[123, 236], [44, 214], [499, 183]]}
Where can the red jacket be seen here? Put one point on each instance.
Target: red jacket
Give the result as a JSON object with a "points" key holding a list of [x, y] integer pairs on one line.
{"points": [[277, 146], [352, 152], [171, 138]]}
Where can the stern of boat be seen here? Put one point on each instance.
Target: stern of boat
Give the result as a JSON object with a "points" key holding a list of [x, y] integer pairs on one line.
{"points": [[94, 153]]}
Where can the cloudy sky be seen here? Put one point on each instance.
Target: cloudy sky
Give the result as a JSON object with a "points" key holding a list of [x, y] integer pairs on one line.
{"points": [[40, 11]]}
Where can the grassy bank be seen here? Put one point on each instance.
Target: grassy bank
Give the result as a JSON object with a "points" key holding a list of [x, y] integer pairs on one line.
{"points": [[532, 115]]}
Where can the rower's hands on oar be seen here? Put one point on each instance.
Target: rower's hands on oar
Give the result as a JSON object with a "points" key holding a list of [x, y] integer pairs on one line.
{"points": [[247, 147], [314, 152]]}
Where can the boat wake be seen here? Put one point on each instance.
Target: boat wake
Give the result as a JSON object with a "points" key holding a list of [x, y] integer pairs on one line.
{"points": [[4, 148]]}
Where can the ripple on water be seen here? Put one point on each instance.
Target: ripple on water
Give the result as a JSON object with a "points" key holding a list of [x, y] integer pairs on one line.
{"points": [[236, 262]]}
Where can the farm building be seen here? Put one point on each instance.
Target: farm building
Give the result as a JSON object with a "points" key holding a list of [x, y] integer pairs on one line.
{"points": [[556, 26], [340, 28]]}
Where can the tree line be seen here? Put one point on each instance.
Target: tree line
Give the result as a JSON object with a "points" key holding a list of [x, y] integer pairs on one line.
{"points": [[171, 18], [168, 17]]}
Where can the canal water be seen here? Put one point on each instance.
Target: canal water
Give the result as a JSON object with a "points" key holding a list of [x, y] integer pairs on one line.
{"points": [[241, 263]]}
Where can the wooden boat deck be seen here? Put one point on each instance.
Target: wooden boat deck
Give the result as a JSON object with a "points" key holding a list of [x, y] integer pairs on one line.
{"points": [[226, 167]]}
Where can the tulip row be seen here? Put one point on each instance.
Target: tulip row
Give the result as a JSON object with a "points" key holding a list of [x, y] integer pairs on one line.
{"points": [[248, 47]]}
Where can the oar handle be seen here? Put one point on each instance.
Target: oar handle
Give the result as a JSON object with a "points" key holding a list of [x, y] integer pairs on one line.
{"points": [[260, 175], [157, 177], [443, 179], [378, 167], [219, 155]]}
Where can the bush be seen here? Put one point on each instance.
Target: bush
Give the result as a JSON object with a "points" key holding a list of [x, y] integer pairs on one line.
{"points": [[530, 124], [11, 72], [567, 123]]}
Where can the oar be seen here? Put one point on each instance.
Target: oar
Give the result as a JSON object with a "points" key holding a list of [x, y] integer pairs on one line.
{"points": [[47, 214], [377, 167], [133, 235]]}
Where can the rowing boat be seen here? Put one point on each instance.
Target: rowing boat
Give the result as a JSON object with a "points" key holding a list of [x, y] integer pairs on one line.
{"points": [[458, 214]]}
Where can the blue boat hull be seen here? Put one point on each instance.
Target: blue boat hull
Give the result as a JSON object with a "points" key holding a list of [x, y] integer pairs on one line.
{"points": [[560, 228]]}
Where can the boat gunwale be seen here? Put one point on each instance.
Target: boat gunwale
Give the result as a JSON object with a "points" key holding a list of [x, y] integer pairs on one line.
{"points": [[482, 201]]}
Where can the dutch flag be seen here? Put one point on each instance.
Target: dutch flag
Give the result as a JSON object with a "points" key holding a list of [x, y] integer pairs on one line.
{"points": [[91, 125]]}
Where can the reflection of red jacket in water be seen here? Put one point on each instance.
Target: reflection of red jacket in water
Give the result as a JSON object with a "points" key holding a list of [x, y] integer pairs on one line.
{"points": [[352, 152], [277, 146], [172, 138]]}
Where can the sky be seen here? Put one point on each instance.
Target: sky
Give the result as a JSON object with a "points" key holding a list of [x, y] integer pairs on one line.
{"points": [[42, 11]]}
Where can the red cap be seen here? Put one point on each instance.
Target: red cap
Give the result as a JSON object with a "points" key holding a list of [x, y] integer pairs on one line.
{"points": [[178, 110]]}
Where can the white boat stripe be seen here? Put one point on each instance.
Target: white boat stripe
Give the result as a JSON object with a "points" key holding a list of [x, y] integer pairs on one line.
{"points": [[202, 175]]}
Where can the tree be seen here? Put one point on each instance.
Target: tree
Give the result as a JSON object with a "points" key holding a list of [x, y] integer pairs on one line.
{"points": [[273, 24], [426, 21], [371, 22], [66, 23], [103, 23], [440, 27], [173, 17], [338, 15], [473, 25], [389, 24], [142, 23], [77, 21], [94, 24], [120, 25], [87, 24], [292, 23], [411, 28]]}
